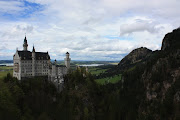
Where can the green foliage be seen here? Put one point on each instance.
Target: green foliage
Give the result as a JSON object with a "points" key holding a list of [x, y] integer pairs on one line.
{"points": [[43, 116], [113, 79], [131, 69], [4, 70], [4, 73], [86, 113], [8, 107], [96, 71], [27, 99]]}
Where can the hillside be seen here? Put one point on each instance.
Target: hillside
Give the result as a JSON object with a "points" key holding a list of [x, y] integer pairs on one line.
{"points": [[136, 56], [157, 81]]}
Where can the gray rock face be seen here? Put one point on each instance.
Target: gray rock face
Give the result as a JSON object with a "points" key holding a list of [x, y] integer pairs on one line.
{"points": [[171, 40]]}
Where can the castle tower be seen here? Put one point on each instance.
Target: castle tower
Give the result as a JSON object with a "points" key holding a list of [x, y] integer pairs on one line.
{"points": [[67, 61], [86, 69], [54, 69], [33, 61], [25, 45], [55, 62]]}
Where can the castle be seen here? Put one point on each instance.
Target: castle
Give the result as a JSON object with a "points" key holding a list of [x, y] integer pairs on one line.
{"points": [[30, 64]]}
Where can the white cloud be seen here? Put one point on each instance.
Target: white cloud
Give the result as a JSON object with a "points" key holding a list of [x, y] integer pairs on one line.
{"points": [[11, 6], [138, 26], [88, 29]]}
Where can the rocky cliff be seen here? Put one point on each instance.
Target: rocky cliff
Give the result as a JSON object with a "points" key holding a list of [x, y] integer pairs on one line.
{"points": [[171, 40], [155, 79], [161, 79]]}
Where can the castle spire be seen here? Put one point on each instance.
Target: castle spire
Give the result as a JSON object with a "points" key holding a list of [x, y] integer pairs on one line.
{"points": [[33, 61], [33, 49], [25, 40], [25, 45]]}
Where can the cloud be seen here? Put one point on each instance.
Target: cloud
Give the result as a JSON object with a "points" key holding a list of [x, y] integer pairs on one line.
{"points": [[14, 30], [88, 29], [11, 7], [26, 28], [139, 25], [160, 8]]}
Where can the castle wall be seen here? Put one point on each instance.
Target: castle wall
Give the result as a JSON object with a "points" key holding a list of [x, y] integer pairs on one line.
{"points": [[26, 68], [16, 67], [56, 76], [41, 67]]}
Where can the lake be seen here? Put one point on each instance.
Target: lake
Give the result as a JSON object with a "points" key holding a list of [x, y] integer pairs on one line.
{"points": [[90, 65]]}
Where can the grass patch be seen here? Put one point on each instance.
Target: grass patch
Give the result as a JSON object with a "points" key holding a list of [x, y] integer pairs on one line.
{"points": [[113, 79], [4, 73], [113, 63], [131, 69], [4, 70], [96, 71]]}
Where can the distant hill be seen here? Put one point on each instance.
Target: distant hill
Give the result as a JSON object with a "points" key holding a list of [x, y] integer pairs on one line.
{"points": [[136, 56], [6, 61]]}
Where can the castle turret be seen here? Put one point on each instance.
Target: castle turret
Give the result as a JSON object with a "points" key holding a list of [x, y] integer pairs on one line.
{"points": [[55, 62], [67, 61], [25, 45], [33, 61], [86, 69], [54, 69]]}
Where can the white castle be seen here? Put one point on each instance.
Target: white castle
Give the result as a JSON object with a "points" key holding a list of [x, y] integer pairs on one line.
{"points": [[30, 64]]}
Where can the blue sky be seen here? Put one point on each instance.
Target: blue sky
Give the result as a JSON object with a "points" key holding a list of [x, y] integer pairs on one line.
{"points": [[88, 29]]}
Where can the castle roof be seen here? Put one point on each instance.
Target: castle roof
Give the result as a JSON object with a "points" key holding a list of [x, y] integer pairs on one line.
{"points": [[27, 55]]}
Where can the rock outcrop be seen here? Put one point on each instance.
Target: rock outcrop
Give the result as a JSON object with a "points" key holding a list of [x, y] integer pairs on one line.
{"points": [[171, 40], [134, 57]]}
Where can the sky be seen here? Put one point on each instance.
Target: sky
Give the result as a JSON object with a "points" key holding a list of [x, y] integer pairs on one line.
{"points": [[88, 29]]}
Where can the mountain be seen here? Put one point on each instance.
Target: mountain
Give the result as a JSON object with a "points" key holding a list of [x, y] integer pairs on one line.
{"points": [[154, 82], [136, 56]]}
